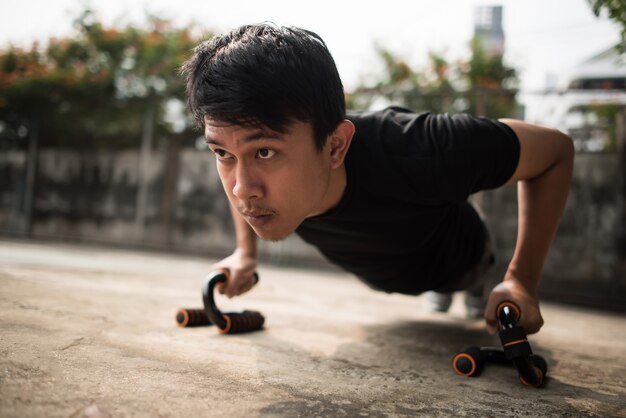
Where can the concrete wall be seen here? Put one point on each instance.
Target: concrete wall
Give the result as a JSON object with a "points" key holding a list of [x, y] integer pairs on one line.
{"points": [[93, 197], [587, 261]]}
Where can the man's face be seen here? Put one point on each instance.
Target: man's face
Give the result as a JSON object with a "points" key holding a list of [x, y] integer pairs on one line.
{"points": [[273, 180]]}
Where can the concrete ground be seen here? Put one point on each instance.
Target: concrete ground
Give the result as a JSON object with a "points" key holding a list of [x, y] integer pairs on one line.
{"points": [[90, 332]]}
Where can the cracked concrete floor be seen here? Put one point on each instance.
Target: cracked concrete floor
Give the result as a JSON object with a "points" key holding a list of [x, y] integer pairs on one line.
{"points": [[89, 331]]}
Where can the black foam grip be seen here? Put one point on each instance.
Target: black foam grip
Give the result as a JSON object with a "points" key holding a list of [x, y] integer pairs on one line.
{"points": [[515, 343], [540, 362], [469, 362], [508, 314], [232, 322], [529, 373], [246, 321], [186, 317], [517, 350], [510, 335], [494, 355]]}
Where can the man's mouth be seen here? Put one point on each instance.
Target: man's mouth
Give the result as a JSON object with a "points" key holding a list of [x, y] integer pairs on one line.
{"points": [[257, 217], [254, 214]]}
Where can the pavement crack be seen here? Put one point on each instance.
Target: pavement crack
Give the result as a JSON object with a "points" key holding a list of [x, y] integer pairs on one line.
{"points": [[74, 343]]}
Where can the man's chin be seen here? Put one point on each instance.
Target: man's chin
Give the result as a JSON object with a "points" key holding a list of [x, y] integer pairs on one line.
{"points": [[273, 236]]}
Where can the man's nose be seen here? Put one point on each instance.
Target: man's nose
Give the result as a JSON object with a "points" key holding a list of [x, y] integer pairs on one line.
{"points": [[247, 185]]}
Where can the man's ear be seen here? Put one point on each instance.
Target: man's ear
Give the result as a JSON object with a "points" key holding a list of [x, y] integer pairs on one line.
{"points": [[339, 142]]}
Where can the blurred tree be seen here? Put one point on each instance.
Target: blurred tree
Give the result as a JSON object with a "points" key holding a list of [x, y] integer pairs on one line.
{"points": [[92, 90], [616, 10], [395, 84], [104, 88], [482, 85], [491, 85]]}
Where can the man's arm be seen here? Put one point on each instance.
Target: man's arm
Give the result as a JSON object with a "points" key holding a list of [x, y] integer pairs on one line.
{"points": [[543, 177], [243, 261]]}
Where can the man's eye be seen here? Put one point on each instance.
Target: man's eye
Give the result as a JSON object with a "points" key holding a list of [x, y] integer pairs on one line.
{"points": [[220, 153], [265, 153]]}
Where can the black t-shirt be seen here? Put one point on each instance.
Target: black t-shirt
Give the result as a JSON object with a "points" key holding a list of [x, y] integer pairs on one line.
{"points": [[404, 224]]}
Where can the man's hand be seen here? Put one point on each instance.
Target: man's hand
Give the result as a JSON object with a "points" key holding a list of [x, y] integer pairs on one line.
{"points": [[241, 278], [543, 176], [512, 289]]}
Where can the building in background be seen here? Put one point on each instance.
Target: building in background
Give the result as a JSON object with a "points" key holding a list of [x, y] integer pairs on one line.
{"points": [[585, 102], [488, 55], [488, 28]]}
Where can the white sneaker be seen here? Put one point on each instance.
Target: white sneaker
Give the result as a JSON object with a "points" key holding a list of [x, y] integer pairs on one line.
{"points": [[474, 306], [438, 302]]}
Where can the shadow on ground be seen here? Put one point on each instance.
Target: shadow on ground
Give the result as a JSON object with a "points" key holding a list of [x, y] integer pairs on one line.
{"points": [[405, 369]]}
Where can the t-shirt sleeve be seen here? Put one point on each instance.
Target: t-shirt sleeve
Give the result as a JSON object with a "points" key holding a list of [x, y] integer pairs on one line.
{"points": [[450, 157]]}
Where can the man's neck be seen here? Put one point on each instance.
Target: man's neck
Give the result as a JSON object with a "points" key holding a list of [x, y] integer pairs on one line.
{"points": [[336, 189]]}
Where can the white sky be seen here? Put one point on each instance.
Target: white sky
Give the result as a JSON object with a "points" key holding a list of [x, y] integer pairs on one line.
{"points": [[541, 36]]}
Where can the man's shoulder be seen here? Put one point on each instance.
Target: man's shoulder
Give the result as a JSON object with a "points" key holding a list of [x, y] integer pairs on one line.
{"points": [[386, 126], [381, 115], [402, 116], [391, 129]]}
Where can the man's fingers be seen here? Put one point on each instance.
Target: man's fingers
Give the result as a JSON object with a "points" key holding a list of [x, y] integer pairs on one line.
{"points": [[247, 287], [532, 327], [492, 326], [491, 320], [237, 286], [247, 284]]}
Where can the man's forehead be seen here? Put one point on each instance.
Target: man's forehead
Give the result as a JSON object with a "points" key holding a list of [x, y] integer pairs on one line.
{"points": [[216, 132], [216, 126], [215, 123]]}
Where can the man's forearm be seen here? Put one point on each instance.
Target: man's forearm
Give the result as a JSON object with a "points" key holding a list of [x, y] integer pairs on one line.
{"points": [[541, 201], [246, 238]]}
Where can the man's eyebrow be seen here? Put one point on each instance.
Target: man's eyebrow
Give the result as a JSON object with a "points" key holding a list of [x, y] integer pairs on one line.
{"points": [[253, 136], [210, 140]]}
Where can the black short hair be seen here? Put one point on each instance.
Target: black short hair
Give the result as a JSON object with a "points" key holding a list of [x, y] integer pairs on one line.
{"points": [[264, 75]]}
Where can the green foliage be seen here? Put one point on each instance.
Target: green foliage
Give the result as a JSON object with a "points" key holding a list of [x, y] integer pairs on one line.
{"points": [[606, 115], [482, 85], [93, 88], [492, 84], [616, 10]]}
